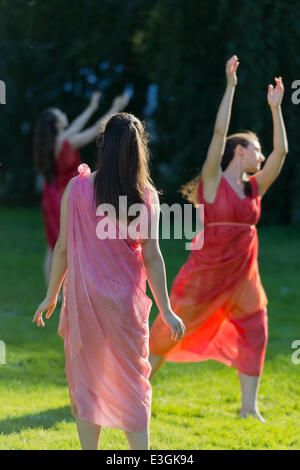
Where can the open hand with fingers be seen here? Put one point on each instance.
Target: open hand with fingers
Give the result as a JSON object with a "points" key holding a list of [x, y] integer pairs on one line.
{"points": [[48, 305], [175, 324], [275, 95], [231, 68]]}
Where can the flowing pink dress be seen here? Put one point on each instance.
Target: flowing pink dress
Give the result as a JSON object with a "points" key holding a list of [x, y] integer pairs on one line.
{"points": [[104, 319], [218, 291]]}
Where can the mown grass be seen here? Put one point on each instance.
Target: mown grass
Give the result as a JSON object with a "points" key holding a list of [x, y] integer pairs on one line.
{"points": [[195, 406]]}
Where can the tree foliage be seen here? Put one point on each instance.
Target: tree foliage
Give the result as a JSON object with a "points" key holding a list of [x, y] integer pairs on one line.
{"points": [[55, 53]]}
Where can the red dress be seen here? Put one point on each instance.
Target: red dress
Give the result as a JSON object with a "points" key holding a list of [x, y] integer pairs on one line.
{"points": [[218, 291], [66, 164]]}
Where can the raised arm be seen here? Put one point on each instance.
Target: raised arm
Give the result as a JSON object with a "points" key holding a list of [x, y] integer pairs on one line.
{"points": [[83, 118], [274, 163], [211, 171], [156, 275], [88, 135]]}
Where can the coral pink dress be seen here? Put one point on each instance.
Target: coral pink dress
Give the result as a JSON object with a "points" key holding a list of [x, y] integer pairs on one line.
{"points": [[66, 164], [218, 291], [104, 319]]}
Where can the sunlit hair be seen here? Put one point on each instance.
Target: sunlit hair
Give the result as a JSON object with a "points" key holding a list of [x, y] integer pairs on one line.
{"points": [[44, 144], [190, 190], [123, 162]]}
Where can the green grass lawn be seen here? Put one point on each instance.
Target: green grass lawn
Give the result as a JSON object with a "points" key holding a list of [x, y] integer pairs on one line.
{"points": [[195, 406]]}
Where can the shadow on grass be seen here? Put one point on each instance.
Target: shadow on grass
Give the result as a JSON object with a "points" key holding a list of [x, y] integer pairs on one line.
{"points": [[45, 420]]}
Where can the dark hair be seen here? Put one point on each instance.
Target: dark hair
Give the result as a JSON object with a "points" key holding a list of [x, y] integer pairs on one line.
{"points": [[123, 162], [190, 190], [44, 144]]}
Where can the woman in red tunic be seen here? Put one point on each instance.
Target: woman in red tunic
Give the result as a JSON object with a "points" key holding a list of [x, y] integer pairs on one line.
{"points": [[218, 292], [57, 157]]}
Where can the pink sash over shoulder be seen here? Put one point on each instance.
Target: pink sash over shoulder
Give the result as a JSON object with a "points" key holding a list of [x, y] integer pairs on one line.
{"points": [[104, 319]]}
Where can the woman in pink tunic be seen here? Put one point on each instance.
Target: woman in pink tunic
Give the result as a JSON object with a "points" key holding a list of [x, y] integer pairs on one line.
{"points": [[105, 310]]}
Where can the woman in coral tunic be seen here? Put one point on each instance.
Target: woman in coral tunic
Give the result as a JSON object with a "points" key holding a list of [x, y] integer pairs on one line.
{"points": [[105, 310], [57, 157], [218, 292]]}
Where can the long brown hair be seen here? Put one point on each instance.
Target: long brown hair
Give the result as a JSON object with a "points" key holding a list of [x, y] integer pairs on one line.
{"points": [[190, 190], [44, 144], [123, 162]]}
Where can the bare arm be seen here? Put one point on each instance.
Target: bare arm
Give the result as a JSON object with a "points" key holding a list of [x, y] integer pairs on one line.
{"points": [[275, 161], [156, 275], [85, 137], [211, 170], [58, 264], [83, 118]]}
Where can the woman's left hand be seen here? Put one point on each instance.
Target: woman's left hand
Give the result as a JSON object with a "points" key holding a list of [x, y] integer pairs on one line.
{"points": [[48, 305], [275, 94]]}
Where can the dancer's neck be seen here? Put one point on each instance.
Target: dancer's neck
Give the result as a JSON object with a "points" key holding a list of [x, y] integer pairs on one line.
{"points": [[236, 173]]}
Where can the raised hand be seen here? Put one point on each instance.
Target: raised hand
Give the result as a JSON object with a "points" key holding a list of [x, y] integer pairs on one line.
{"points": [[275, 95], [94, 102], [231, 68], [120, 102]]}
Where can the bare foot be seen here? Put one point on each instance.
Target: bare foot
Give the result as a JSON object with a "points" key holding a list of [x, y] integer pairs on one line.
{"points": [[255, 413]]}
